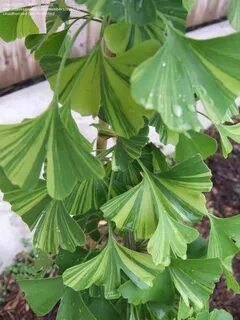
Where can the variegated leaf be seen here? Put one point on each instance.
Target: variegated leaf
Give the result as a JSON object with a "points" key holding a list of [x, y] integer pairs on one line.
{"points": [[158, 206], [105, 270], [187, 67]]}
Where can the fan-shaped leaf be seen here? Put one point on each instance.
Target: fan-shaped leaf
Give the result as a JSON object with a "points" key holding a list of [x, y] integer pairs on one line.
{"points": [[46, 44], [191, 143], [16, 24], [136, 12], [195, 279], [25, 146], [104, 270], [214, 315], [86, 196], [57, 229], [162, 291], [187, 66], [223, 234], [108, 78], [128, 150], [163, 201], [123, 36], [226, 132], [72, 307], [234, 14], [35, 291]]}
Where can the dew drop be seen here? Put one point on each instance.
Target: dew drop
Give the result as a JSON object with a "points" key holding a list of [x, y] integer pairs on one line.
{"points": [[177, 110], [191, 107], [164, 64], [202, 91]]}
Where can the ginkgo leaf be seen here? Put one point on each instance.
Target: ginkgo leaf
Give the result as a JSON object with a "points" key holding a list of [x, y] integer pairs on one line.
{"points": [[16, 24], [123, 36], [127, 150], [206, 68], [57, 229], [28, 204], [223, 234], [58, 12], [191, 143], [86, 196], [214, 315], [195, 279], [226, 132], [162, 291], [132, 11], [73, 307], [25, 146], [234, 14], [189, 4], [46, 44], [166, 135], [104, 270], [108, 78], [162, 202], [170, 234], [36, 289], [231, 281]]}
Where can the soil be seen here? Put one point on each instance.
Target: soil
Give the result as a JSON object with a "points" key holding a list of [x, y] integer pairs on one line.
{"points": [[223, 201]]}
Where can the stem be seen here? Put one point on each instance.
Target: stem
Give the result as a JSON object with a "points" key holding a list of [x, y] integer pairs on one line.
{"points": [[64, 59], [101, 141], [110, 186]]}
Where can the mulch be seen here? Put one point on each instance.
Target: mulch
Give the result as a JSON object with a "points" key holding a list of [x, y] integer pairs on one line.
{"points": [[223, 201]]}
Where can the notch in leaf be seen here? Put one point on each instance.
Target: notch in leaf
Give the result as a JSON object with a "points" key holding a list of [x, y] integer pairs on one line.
{"points": [[105, 270], [195, 279]]}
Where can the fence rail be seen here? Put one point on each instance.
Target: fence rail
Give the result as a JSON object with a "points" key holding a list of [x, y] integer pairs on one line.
{"points": [[17, 64]]}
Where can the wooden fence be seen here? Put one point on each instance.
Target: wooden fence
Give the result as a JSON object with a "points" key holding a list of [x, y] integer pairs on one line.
{"points": [[17, 64]]}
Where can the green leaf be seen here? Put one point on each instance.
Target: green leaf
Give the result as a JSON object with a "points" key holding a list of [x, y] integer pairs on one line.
{"points": [[183, 67], [162, 291], [166, 135], [36, 289], [163, 201], [232, 283], [87, 196], [46, 44], [234, 14], [29, 205], [214, 315], [189, 4], [16, 24], [108, 78], [104, 270], [223, 234], [25, 146], [73, 307], [174, 11], [226, 132], [57, 13], [57, 229], [191, 143], [123, 36], [130, 11], [195, 279], [66, 259], [128, 150]]}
